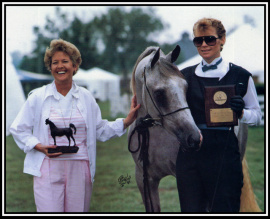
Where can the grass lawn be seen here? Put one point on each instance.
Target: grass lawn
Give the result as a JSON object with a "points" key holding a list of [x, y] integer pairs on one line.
{"points": [[114, 161]]}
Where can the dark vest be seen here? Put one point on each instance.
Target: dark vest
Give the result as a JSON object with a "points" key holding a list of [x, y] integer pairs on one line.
{"points": [[236, 75]]}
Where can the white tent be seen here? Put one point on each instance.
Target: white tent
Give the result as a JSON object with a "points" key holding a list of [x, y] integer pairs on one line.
{"points": [[14, 93], [243, 47], [103, 85], [106, 85]]}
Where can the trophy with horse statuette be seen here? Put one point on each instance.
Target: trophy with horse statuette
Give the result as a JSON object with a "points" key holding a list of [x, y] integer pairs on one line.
{"points": [[68, 132]]}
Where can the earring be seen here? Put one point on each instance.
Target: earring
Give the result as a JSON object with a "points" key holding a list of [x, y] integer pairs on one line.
{"points": [[221, 47]]}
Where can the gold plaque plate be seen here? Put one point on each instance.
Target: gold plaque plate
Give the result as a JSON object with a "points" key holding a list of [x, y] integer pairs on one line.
{"points": [[221, 115]]}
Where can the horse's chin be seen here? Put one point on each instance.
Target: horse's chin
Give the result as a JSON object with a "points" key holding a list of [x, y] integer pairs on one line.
{"points": [[190, 145], [189, 149]]}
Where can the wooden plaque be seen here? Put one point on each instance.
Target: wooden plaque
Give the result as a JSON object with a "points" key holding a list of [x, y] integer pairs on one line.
{"points": [[217, 106]]}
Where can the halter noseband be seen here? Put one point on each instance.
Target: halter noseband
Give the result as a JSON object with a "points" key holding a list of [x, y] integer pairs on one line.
{"points": [[160, 114]]}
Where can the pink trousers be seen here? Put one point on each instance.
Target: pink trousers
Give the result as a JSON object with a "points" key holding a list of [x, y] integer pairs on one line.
{"points": [[65, 186]]}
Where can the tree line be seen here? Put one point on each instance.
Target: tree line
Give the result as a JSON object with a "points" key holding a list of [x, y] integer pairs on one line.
{"points": [[112, 41]]}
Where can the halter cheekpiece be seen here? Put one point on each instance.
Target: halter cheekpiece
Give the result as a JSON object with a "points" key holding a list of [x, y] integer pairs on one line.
{"points": [[159, 111]]}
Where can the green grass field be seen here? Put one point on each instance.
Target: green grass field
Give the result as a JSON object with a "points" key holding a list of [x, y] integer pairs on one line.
{"points": [[114, 161]]}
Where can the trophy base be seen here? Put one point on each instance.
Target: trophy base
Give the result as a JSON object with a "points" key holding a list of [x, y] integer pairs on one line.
{"points": [[63, 149]]}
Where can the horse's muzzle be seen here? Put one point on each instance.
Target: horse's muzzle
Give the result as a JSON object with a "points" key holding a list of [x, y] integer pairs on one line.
{"points": [[193, 143]]}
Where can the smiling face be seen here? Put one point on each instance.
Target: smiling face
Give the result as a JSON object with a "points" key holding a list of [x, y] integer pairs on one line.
{"points": [[209, 53], [62, 68]]}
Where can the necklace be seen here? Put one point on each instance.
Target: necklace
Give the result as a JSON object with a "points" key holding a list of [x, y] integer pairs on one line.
{"points": [[62, 112]]}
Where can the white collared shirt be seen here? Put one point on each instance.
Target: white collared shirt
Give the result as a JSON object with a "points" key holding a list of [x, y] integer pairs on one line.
{"points": [[29, 129], [252, 111], [220, 72]]}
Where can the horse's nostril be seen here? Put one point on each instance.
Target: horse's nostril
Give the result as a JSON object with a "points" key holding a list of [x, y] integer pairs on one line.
{"points": [[192, 143]]}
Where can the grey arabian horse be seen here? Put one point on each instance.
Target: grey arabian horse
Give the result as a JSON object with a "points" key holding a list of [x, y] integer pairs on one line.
{"points": [[160, 88]]}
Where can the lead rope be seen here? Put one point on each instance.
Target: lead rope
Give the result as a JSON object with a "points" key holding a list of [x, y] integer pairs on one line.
{"points": [[142, 128]]}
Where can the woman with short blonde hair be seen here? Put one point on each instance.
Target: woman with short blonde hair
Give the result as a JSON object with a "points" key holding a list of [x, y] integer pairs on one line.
{"points": [[211, 179]]}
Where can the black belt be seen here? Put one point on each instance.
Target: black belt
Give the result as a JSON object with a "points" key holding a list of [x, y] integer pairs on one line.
{"points": [[204, 126]]}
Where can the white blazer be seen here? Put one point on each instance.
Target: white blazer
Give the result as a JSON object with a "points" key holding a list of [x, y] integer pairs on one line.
{"points": [[29, 129]]}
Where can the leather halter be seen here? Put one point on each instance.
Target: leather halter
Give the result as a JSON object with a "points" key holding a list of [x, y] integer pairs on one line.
{"points": [[159, 111]]}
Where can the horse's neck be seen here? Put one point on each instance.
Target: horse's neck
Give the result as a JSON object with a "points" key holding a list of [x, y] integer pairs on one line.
{"points": [[52, 125]]}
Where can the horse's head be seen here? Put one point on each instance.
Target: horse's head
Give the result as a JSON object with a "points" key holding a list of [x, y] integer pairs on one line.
{"points": [[47, 121], [161, 90]]}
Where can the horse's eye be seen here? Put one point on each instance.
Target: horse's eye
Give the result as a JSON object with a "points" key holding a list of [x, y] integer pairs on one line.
{"points": [[159, 93], [160, 97]]}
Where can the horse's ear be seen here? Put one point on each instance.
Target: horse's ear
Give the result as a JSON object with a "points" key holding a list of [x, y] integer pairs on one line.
{"points": [[173, 55], [155, 58]]}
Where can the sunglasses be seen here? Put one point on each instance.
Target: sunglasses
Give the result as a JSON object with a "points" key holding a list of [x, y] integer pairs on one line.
{"points": [[209, 40]]}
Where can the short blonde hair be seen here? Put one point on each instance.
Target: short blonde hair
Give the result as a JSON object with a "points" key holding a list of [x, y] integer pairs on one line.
{"points": [[204, 23], [64, 46]]}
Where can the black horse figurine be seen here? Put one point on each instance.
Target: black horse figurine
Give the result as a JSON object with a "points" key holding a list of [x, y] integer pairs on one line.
{"points": [[61, 131]]}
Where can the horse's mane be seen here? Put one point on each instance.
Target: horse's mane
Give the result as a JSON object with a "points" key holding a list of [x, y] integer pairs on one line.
{"points": [[167, 68], [145, 53], [50, 122]]}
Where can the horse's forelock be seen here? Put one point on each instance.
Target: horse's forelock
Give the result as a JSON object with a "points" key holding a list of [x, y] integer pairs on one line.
{"points": [[167, 68], [145, 53]]}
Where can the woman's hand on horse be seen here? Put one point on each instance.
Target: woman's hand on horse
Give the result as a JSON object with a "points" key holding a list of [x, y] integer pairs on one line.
{"points": [[132, 115], [44, 149]]}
